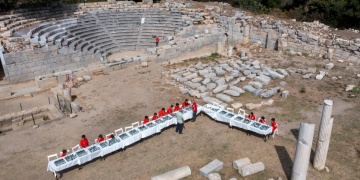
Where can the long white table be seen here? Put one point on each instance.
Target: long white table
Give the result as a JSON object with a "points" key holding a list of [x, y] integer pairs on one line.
{"points": [[119, 142], [236, 120]]}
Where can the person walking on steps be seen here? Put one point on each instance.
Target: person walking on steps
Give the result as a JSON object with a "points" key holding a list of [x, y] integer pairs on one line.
{"points": [[157, 39]]}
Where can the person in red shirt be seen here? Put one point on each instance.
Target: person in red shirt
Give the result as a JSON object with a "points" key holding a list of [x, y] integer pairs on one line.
{"points": [[162, 112], [169, 110], [146, 120], [84, 142], [194, 108], [262, 120], [177, 107], [273, 125], [251, 116], [185, 104], [111, 136], [100, 139], [154, 117], [157, 39], [64, 153]]}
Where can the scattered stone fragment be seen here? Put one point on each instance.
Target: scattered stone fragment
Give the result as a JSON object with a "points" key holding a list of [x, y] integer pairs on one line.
{"points": [[251, 106], [283, 83], [311, 70], [340, 61], [29, 95], [249, 88], [267, 103], [224, 97], [211, 86], [284, 94], [251, 169], [87, 78], [251, 76], [220, 81], [232, 179], [306, 76], [329, 66], [255, 84], [241, 91], [327, 169], [213, 166], [203, 72], [269, 93], [228, 78], [214, 176], [232, 92], [235, 82], [201, 89], [183, 90], [279, 178], [194, 93], [275, 75], [283, 72], [358, 75], [242, 79], [195, 85], [236, 105], [73, 115], [219, 71], [265, 80], [220, 88], [258, 92], [241, 163], [196, 80], [204, 94], [80, 79], [246, 72], [179, 173], [349, 87], [191, 76], [206, 81], [211, 100]]}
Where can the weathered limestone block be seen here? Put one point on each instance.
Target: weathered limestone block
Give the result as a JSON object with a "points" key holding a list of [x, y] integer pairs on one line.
{"points": [[329, 66], [246, 72], [258, 92], [284, 94], [219, 71], [283, 72], [205, 94], [181, 80], [203, 72], [194, 93], [224, 97], [241, 91], [213, 166], [236, 105], [249, 88], [235, 82], [220, 88], [196, 80], [191, 76], [220, 81], [228, 78], [275, 75], [195, 85], [232, 93], [251, 106], [251, 76], [267, 103], [183, 90], [206, 81], [176, 174], [252, 169], [214, 176], [214, 79], [238, 164], [269, 93], [211, 86], [209, 75], [265, 80], [255, 84], [201, 89]]}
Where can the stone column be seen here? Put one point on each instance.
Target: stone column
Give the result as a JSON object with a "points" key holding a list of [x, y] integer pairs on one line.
{"points": [[303, 151], [324, 136], [246, 37], [230, 52], [219, 47], [2, 55]]}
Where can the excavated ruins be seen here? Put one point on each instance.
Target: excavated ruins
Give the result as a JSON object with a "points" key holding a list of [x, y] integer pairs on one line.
{"points": [[210, 52]]}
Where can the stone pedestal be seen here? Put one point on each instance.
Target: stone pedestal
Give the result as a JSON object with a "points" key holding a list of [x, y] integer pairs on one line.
{"points": [[252, 169], [213, 166], [303, 151], [230, 52], [238, 164], [67, 93], [324, 136]]}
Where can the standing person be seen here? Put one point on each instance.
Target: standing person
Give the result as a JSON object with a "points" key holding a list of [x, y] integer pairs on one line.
{"points": [[157, 39], [262, 120], [177, 107], [84, 142], [170, 110], [180, 122], [194, 108], [274, 126], [146, 120], [162, 112], [251, 116], [100, 139]]}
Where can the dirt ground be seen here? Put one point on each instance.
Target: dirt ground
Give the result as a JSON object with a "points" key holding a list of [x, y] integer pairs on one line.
{"points": [[124, 96]]}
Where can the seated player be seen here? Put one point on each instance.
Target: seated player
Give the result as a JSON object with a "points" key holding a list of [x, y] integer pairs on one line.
{"points": [[162, 112], [154, 117], [64, 153], [177, 107], [146, 120], [100, 139], [185, 103], [84, 142], [251, 116], [262, 120], [170, 110], [111, 136]]}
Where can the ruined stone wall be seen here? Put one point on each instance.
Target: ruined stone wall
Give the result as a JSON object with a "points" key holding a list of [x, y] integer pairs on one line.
{"points": [[25, 65]]}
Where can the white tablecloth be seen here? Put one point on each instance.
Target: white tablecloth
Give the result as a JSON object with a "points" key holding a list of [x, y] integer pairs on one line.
{"points": [[109, 149], [208, 109], [77, 161], [149, 131]]}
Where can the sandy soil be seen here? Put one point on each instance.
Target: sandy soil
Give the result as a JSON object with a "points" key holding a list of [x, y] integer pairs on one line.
{"points": [[125, 96]]}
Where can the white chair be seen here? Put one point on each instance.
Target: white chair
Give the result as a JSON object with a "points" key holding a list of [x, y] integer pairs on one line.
{"points": [[119, 131], [75, 148], [216, 104], [67, 152], [95, 141], [141, 123], [50, 157], [135, 124], [128, 128], [230, 109], [108, 136], [241, 111]]}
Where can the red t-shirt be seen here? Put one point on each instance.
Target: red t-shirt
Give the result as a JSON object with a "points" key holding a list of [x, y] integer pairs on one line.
{"points": [[262, 121], [194, 107], [84, 143], [274, 126], [184, 104], [161, 113], [146, 120], [100, 140], [157, 39], [251, 117], [154, 117], [63, 154], [176, 108], [169, 110]]}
